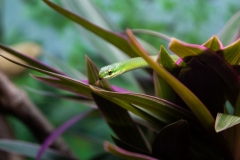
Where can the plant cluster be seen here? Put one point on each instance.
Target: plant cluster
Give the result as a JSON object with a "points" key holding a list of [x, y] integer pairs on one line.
{"points": [[193, 114]]}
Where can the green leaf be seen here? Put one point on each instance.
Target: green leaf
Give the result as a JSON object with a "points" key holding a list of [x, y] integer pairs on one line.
{"points": [[80, 99], [29, 60], [91, 13], [67, 84], [231, 53], [75, 86], [117, 118], [93, 78], [225, 121], [83, 89], [152, 105], [63, 66], [30, 150], [165, 111], [120, 122], [153, 33], [230, 29], [172, 141], [195, 105], [125, 154], [151, 49], [214, 44], [162, 88], [154, 122], [116, 39], [109, 52], [60, 81]]}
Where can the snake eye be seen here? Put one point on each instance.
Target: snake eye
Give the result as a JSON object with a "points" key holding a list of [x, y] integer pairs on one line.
{"points": [[109, 72]]}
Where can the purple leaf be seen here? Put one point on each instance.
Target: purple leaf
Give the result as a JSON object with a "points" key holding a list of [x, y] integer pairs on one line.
{"points": [[59, 131], [125, 154]]}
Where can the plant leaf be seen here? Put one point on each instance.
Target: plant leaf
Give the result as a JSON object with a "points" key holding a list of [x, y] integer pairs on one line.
{"points": [[199, 78], [225, 121], [77, 87], [30, 150], [214, 44], [195, 105], [82, 88], [77, 98], [231, 53], [152, 120], [125, 154], [165, 111], [116, 39], [29, 60], [230, 29], [63, 66], [48, 141], [232, 134], [117, 118], [237, 106], [109, 52], [172, 141], [93, 78], [127, 147], [91, 13], [153, 33], [28, 48], [214, 61], [60, 81], [167, 114], [162, 88]]}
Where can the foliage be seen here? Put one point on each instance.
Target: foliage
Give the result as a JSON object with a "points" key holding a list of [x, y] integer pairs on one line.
{"points": [[180, 116]]}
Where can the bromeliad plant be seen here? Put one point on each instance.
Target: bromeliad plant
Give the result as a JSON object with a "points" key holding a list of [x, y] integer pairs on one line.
{"points": [[193, 114]]}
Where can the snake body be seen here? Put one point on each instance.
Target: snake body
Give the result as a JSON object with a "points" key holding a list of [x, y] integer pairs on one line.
{"points": [[119, 68]]}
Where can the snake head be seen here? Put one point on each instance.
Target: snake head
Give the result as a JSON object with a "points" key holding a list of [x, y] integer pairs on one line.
{"points": [[109, 71]]}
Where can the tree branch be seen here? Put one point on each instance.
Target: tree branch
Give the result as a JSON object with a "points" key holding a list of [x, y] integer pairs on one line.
{"points": [[15, 102]]}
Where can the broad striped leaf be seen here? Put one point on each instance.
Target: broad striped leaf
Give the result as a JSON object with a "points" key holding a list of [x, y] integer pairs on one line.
{"points": [[231, 53], [214, 44], [225, 121], [116, 39]]}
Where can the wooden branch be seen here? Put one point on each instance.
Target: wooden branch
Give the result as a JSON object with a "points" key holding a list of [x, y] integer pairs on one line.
{"points": [[6, 133], [15, 102]]}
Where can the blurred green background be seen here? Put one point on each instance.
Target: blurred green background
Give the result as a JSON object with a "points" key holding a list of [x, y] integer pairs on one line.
{"points": [[27, 20]]}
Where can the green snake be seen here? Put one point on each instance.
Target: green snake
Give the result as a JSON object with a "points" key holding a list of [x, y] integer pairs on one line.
{"points": [[115, 69]]}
